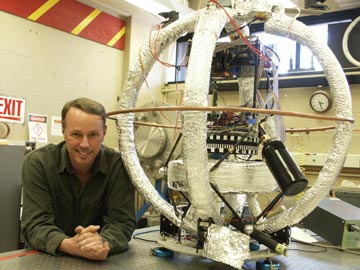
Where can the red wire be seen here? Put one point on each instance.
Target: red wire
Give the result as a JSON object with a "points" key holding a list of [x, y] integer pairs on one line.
{"points": [[154, 52], [234, 24], [232, 21]]}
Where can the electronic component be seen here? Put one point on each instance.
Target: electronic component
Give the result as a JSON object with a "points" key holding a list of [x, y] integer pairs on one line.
{"points": [[222, 143], [167, 227], [229, 57], [351, 196], [231, 132], [337, 222]]}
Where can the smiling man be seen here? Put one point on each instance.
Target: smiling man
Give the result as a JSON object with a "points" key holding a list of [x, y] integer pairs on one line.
{"points": [[77, 197]]}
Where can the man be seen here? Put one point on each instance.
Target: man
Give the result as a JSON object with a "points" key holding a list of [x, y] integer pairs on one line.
{"points": [[77, 197]]}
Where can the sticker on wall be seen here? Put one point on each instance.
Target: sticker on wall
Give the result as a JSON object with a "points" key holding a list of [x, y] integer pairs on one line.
{"points": [[12, 109], [37, 128], [73, 17], [56, 129]]}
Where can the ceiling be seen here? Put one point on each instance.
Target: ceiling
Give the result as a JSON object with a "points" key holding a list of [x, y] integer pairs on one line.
{"points": [[127, 8], [334, 5]]}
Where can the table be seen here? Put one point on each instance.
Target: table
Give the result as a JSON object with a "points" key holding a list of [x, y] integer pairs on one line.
{"points": [[139, 257]]}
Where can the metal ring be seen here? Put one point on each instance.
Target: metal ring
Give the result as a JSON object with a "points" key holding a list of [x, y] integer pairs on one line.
{"points": [[162, 252]]}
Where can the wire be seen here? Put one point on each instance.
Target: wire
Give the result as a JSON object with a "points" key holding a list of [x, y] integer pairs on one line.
{"points": [[324, 249], [235, 25], [248, 159], [135, 236], [327, 246], [248, 24], [272, 51], [153, 50]]}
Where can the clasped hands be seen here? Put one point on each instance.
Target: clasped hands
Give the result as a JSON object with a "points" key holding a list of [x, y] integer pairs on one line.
{"points": [[87, 243]]}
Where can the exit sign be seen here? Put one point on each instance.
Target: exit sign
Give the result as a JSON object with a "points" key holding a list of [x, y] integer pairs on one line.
{"points": [[12, 109]]}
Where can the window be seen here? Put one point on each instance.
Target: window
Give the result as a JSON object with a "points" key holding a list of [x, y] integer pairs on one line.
{"points": [[297, 61], [293, 56]]}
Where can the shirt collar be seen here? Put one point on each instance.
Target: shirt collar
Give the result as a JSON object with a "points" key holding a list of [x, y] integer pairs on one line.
{"points": [[100, 163]]}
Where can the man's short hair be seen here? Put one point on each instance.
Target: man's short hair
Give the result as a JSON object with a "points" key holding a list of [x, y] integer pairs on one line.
{"points": [[85, 104]]}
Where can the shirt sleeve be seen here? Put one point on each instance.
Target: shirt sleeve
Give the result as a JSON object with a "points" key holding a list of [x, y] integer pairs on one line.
{"points": [[119, 220], [37, 224]]}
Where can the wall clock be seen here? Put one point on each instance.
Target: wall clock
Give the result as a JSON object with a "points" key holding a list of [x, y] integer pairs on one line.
{"points": [[321, 101]]}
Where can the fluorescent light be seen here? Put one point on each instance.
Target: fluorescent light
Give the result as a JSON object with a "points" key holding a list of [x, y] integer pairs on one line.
{"points": [[150, 6], [289, 4]]}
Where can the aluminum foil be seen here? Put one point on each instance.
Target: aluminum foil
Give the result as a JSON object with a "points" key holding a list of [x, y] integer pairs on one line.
{"points": [[230, 177], [253, 204], [282, 25], [246, 86], [141, 65], [226, 246], [237, 202], [249, 9], [208, 28]]}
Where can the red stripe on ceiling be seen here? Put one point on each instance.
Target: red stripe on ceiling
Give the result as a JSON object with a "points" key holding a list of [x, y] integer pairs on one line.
{"points": [[65, 15], [120, 44], [103, 28], [19, 8]]}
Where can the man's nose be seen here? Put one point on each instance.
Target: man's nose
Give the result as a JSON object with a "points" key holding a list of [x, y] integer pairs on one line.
{"points": [[85, 141]]}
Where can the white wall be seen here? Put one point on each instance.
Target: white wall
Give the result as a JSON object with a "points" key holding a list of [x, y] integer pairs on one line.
{"points": [[48, 67]]}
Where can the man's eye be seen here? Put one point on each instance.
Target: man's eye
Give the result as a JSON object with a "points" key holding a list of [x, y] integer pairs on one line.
{"points": [[76, 134], [93, 135]]}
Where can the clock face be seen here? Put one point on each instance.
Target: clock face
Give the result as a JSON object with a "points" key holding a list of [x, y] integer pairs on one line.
{"points": [[320, 101]]}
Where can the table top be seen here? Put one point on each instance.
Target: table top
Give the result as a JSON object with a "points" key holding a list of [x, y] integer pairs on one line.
{"points": [[139, 256]]}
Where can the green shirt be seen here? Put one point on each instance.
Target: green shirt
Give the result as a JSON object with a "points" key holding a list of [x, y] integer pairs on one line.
{"points": [[54, 203]]}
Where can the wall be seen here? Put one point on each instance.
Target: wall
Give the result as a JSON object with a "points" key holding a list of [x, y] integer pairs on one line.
{"points": [[48, 67], [316, 142]]}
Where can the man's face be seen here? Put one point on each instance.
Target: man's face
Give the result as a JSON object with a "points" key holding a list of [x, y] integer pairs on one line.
{"points": [[83, 134]]}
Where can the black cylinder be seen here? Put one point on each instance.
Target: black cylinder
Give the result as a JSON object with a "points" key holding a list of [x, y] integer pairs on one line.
{"points": [[283, 167]]}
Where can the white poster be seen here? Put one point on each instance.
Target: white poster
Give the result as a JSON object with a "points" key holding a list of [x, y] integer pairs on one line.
{"points": [[56, 129], [38, 128]]}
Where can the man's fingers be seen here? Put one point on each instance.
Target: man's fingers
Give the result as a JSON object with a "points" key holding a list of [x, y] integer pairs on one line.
{"points": [[91, 229], [96, 252], [92, 247], [89, 240], [106, 246], [78, 229]]}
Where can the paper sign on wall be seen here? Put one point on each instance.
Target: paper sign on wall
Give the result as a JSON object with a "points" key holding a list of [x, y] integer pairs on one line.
{"points": [[56, 129], [12, 109], [37, 128]]}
